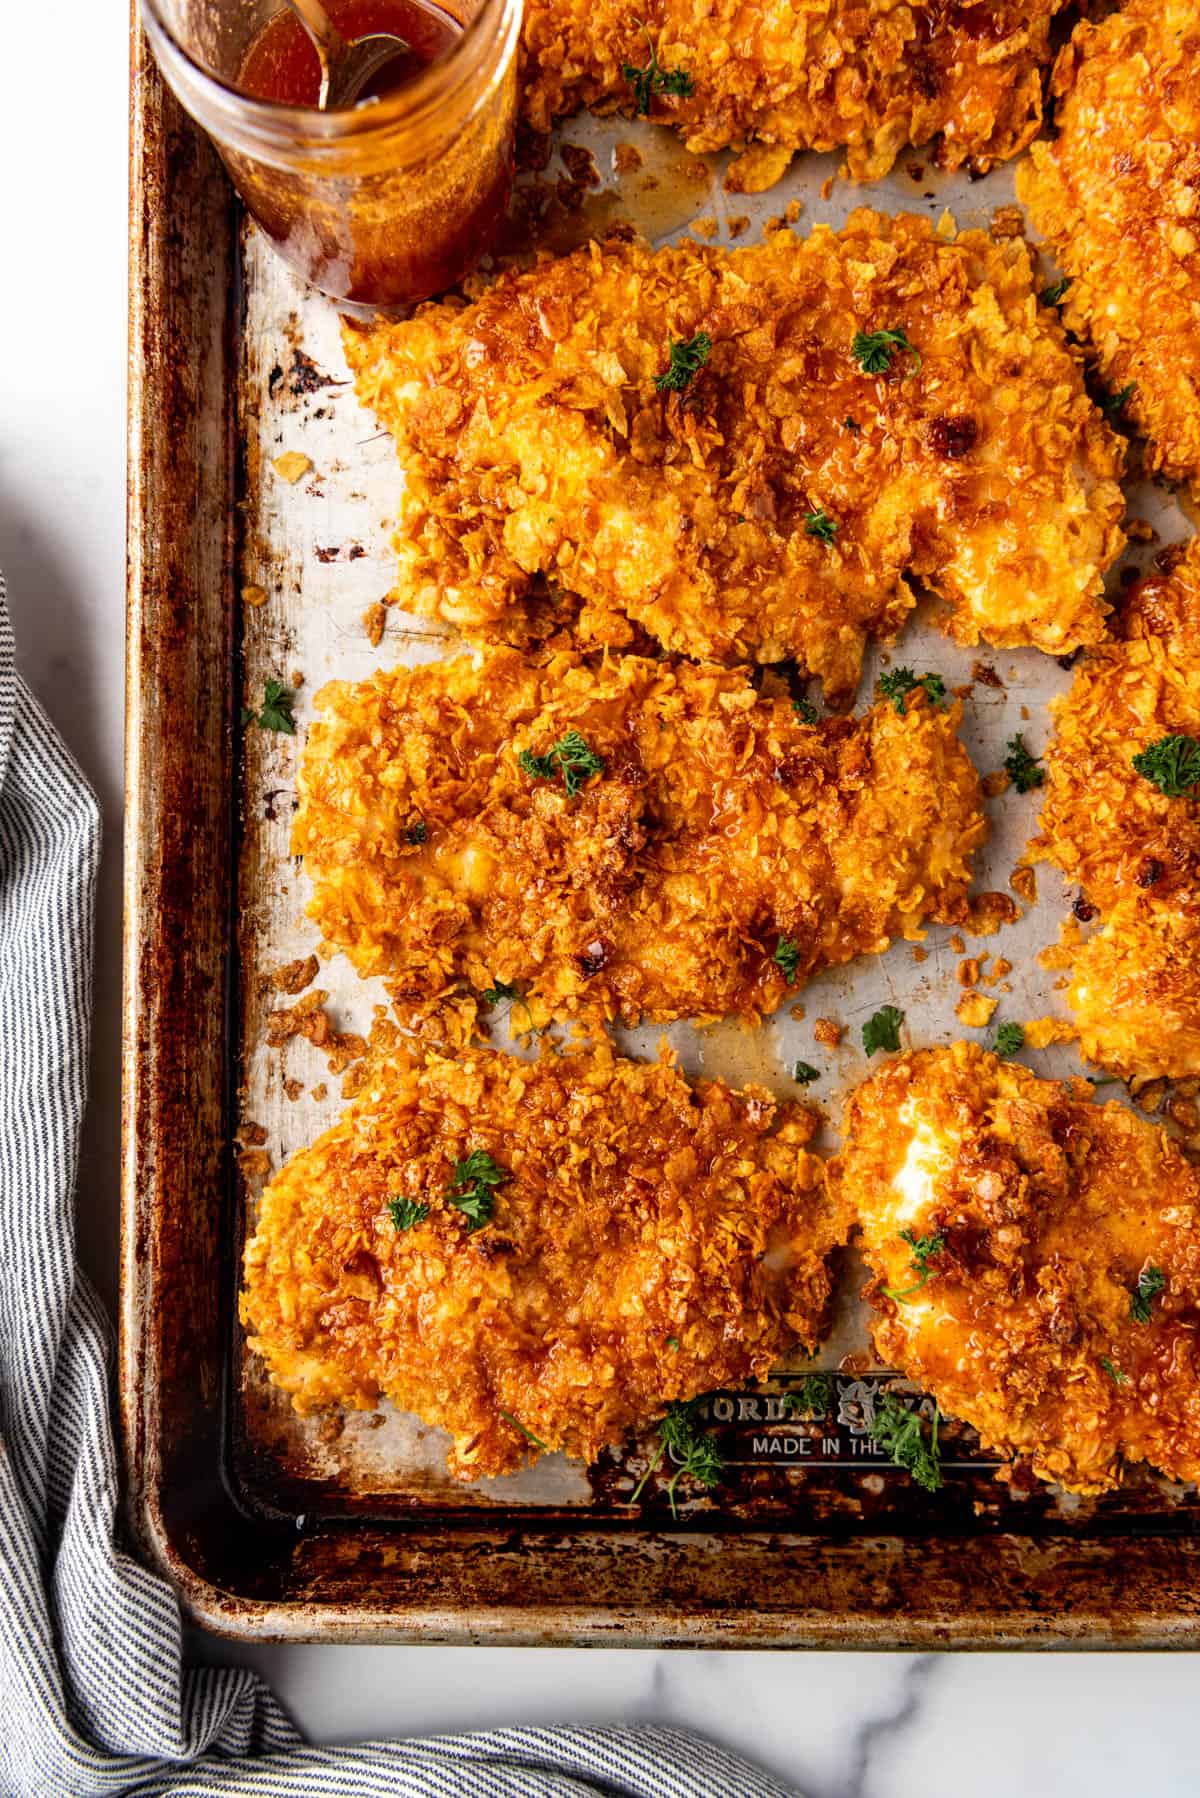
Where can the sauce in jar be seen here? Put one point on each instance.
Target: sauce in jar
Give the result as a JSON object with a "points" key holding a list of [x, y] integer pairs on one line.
{"points": [[281, 64]]}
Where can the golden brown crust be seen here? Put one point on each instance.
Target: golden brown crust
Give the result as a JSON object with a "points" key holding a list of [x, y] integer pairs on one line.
{"points": [[1052, 1209], [1117, 194], [1135, 852], [720, 826], [872, 76], [535, 445], [653, 1241]]}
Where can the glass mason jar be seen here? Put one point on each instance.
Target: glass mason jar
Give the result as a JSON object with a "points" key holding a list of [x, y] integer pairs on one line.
{"points": [[379, 205]]}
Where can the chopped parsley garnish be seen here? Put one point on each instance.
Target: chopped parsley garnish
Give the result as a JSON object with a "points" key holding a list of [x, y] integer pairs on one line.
{"points": [[406, 1213], [673, 1344], [1172, 765], [1050, 296], [654, 79], [898, 683], [276, 710], [787, 957], [1150, 1283], [528, 1434], [820, 525], [804, 1073], [924, 1248], [697, 1453], [805, 710], [416, 833], [873, 350], [1114, 1373], [901, 1432], [1008, 1040], [811, 1398], [852, 424], [882, 1029], [1024, 770], [686, 357], [570, 757], [1113, 404], [502, 990], [473, 1186]]}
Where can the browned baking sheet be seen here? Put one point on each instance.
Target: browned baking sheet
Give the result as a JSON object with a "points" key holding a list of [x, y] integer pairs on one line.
{"points": [[276, 1526]]}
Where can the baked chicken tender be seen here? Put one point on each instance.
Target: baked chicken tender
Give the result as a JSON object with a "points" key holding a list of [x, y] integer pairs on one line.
{"points": [[872, 76], [724, 852], [1134, 851], [1063, 1224], [1117, 195], [781, 505], [648, 1241]]}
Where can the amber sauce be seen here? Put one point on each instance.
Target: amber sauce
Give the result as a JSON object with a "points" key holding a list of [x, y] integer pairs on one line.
{"points": [[423, 205], [281, 64]]}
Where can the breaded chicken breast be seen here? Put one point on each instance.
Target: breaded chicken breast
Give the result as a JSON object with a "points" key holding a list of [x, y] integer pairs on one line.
{"points": [[1036, 1260], [539, 1256], [1122, 819], [873, 75], [1117, 195], [639, 839], [750, 454]]}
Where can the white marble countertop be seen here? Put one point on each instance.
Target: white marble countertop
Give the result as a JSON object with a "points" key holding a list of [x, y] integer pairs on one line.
{"points": [[838, 1725]]}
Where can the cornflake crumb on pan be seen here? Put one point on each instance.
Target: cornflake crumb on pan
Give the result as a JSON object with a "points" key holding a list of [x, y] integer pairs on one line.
{"points": [[749, 454], [1117, 195], [1035, 1260], [639, 839], [539, 1256], [872, 77], [1121, 818]]}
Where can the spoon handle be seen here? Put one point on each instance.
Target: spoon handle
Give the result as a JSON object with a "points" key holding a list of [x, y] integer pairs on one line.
{"points": [[327, 39]]}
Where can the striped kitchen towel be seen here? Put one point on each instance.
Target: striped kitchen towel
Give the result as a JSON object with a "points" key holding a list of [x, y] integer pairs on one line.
{"points": [[94, 1695]]}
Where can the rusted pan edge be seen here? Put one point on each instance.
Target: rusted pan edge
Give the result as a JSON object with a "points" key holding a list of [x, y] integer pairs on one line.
{"points": [[517, 1582]]}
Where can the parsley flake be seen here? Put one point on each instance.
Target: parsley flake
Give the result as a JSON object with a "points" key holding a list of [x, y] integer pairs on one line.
{"points": [[901, 1433], [406, 1212], [1172, 765], [924, 1248], [882, 1029], [873, 350], [570, 757], [811, 1398], [686, 356], [1151, 1281], [673, 1344], [1052, 295], [693, 1448], [1115, 1374], [1113, 404], [528, 1434], [416, 833], [276, 710], [804, 1073], [820, 525], [805, 710], [1024, 770], [654, 79], [897, 683], [1008, 1040], [472, 1188], [787, 958]]}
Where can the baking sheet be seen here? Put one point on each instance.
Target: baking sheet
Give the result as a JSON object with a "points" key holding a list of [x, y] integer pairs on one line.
{"points": [[320, 550]]}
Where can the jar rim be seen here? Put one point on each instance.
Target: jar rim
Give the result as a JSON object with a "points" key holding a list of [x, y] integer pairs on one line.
{"points": [[275, 124]]}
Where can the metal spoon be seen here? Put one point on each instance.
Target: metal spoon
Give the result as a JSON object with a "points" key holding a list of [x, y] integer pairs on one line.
{"points": [[346, 65]]}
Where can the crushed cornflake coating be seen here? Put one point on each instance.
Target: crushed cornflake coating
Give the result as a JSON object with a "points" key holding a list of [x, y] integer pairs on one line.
{"points": [[537, 448], [291, 465], [722, 853], [1055, 1215], [647, 1241], [872, 76], [254, 596], [1117, 195], [294, 976], [1135, 986], [975, 1010]]}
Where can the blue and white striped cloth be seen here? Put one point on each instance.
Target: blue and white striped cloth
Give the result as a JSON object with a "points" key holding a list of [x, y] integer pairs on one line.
{"points": [[94, 1696]]}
